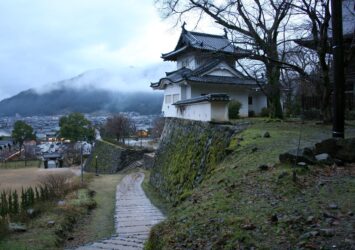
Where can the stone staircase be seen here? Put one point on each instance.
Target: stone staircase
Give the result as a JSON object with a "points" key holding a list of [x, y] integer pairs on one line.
{"points": [[134, 216], [135, 164]]}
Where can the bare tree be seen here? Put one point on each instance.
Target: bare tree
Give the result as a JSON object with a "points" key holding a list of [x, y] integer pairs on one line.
{"points": [[317, 16], [158, 126], [254, 23], [120, 126]]}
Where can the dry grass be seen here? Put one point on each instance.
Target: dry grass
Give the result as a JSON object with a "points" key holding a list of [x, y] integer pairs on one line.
{"points": [[15, 179]]}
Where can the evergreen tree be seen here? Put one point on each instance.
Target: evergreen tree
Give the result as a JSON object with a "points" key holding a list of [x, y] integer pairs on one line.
{"points": [[15, 205], [30, 196], [41, 190], [10, 205], [23, 200], [37, 197], [22, 132], [4, 205]]}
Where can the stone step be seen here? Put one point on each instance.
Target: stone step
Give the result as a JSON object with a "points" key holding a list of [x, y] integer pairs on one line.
{"points": [[134, 216]]}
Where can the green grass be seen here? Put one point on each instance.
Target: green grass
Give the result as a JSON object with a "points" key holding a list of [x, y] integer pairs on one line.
{"points": [[236, 194], [19, 164], [99, 223]]}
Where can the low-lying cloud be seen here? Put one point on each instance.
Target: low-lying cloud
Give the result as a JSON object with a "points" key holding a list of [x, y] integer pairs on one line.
{"points": [[43, 42]]}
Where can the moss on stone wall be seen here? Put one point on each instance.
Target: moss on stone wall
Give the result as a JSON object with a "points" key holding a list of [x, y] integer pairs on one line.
{"points": [[108, 158], [111, 157], [188, 151]]}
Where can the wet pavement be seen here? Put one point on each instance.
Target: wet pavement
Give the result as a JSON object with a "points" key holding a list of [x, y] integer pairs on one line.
{"points": [[134, 217]]}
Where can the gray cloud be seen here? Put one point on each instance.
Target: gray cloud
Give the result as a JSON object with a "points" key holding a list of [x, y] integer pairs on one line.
{"points": [[45, 41]]}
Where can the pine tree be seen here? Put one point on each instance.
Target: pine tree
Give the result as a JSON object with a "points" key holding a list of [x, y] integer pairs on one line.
{"points": [[37, 197], [41, 189], [46, 193], [23, 200], [15, 205], [1, 205], [4, 204], [10, 205], [30, 196]]}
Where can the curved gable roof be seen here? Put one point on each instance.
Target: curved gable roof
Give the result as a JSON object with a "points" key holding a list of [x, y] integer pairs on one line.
{"points": [[205, 42], [199, 75]]}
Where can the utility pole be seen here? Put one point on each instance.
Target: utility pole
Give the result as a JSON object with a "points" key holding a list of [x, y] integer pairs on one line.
{"points": [[338, 69], [81, 163], [97, 174]]}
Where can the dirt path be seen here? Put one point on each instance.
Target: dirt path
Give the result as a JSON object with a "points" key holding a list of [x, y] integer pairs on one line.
{"points": [[134, 217]]}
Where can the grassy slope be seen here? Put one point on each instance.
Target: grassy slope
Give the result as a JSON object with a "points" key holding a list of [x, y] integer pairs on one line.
{"points": [[237, 204], [99, 223]]}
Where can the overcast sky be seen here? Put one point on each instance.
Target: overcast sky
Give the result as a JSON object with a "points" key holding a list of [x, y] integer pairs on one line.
{"points": [[44, 41]]}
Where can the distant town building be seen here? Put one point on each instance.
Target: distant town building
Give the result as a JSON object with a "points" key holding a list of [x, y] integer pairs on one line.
{"points": [[206, 79]]}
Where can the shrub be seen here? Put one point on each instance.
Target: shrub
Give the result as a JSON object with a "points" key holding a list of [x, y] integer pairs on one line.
{"points": [[265, 112], [233, 109], [56, 185], [350, 115], [4, 229], [84, 199], [311, 114]]}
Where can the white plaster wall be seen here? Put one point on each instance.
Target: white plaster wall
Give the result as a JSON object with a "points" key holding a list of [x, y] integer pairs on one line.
{"points": [[261, 102], [187, 61], [197, 111], [168, 109], [235, 93], [220, 72], [219, 111], [183, 92], [172, 89], [188, 92]]}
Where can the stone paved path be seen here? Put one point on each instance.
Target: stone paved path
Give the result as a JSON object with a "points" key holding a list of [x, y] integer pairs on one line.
{"points": [[134, 217]]}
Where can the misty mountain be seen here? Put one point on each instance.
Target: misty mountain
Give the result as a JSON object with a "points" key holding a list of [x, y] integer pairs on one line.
{"points": [[68, 96]]}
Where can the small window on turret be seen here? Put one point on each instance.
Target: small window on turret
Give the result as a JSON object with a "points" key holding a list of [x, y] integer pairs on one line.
{"points": [[176, 98], [167, 99], [250, 100]]}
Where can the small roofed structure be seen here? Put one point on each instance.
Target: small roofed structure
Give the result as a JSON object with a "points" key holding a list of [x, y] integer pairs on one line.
{"points": [[209, 107], [52, 160], [206, 79]]}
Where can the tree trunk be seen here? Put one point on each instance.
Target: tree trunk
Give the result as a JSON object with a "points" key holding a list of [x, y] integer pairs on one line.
{"points": [[273, 77], [326, 92], [24, 151], [325, 106], [20, 150]]}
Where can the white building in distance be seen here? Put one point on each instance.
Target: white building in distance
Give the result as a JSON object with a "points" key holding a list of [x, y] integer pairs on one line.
{"points": [[206, 80]]}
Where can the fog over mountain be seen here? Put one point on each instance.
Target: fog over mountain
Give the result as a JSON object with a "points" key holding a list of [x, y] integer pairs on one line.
{"points": [[85, 93]]}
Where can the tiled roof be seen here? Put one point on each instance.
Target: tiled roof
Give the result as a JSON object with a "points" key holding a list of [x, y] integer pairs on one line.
{"points": [[210, 97], [195, 76], [222, 80], [206, 42]]}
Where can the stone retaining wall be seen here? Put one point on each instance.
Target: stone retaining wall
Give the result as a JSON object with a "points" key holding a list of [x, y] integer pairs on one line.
{"points": [[111, 158], [188, 150]]}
